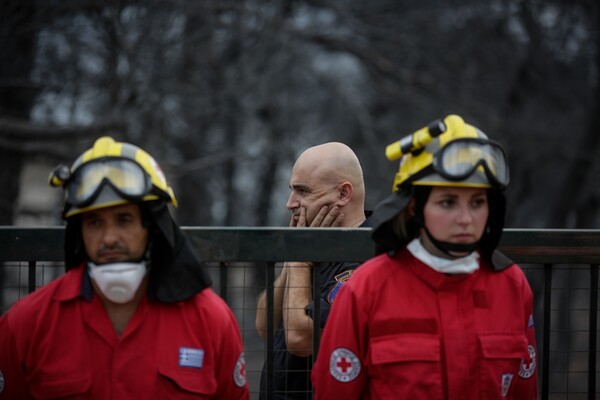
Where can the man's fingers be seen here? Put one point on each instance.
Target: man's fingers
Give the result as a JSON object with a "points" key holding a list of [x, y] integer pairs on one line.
{"points": [[293, 221], [331, 217], [302, 218], [328, 217], [339, 219], [325, 218], [320, 217]]}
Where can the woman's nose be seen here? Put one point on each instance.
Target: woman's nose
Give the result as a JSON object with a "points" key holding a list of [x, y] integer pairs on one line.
{"points": [[464, 215]]}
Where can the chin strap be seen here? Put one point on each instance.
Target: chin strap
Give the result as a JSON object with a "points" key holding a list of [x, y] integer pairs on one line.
{"points": [[446, 247]]}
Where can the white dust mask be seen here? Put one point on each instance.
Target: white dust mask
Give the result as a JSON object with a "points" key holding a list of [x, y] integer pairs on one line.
{"points": [[118, 281], [461, 265]]}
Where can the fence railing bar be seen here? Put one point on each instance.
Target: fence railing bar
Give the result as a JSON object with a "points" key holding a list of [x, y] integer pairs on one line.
{"points": [[31, 276], [223, 280], [593, 329], [270, 296], [316, 292], [545, 381], [533, 246]]}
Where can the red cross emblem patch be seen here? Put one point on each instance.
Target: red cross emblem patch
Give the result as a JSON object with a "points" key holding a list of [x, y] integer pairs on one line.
{"points": [[239, 371], [344, 365]]}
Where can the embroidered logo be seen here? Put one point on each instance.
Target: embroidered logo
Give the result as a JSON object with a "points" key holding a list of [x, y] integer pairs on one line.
{"points": [[340, 280], [530, 321], [1, 382], [239, 371], [344, 365], [526, 371], [506, 381], [189, 357], [344, 276]]}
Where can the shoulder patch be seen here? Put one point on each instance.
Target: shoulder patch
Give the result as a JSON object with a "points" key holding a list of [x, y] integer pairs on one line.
{"points": [[190, 357], [506, 381], [344, 276], [239, 371], [526, 371], [344, 365], [340, 280]]}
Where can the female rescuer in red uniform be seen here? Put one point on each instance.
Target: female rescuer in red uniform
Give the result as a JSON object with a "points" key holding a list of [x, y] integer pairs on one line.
{"points": [[439, 314]]}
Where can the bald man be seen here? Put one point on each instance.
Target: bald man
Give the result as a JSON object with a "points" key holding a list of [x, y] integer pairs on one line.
{"points": [[327, 190]]}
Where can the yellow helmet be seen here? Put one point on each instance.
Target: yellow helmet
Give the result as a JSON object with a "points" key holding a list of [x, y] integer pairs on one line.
{"points": [[449, 152], [108, 174]]}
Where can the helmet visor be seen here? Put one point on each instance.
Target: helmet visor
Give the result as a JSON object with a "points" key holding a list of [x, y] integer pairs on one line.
{"points": [[461, 158], [126, 177]]}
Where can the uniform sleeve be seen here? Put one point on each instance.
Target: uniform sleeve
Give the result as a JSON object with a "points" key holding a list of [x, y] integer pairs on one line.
{"points": [[231, 368], [325, 308], [527, 381], [12, 379], [341, 272], [339, 368]]}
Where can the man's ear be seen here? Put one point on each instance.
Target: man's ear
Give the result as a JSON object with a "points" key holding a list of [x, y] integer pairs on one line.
{"points": [[344, 193]]}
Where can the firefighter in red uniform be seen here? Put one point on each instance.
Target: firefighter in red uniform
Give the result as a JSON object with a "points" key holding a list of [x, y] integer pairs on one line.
{"points": [[439, 313], [134, 316]]}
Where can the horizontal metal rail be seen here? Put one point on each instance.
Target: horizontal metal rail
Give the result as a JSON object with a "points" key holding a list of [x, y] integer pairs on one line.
{"points": [[535, 246]]}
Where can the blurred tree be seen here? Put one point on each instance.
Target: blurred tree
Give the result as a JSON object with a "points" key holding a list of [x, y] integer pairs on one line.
{"points": [[17, 93], [227, 93]]}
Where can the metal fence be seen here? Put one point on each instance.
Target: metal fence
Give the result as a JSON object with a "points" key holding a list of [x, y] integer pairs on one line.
{"points": [[561, 266]]}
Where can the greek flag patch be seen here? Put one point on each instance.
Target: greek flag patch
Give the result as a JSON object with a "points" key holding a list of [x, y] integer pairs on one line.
{"points": [[192, 358]]}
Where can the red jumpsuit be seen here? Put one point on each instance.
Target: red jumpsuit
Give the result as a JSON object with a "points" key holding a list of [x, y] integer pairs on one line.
{"points": [[401, 330], [56, 344]]}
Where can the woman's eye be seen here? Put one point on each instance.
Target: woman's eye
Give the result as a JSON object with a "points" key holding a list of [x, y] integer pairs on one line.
{"points": [[446, 203], [92, 223], [479, 202]]}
